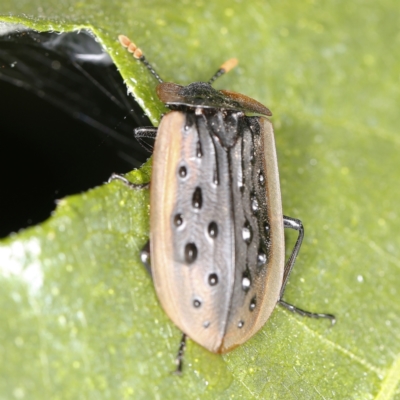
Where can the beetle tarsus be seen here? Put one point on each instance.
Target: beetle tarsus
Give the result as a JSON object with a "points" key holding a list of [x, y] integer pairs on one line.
{"points": [[135, 186], [308, 314], [297, 225], [179, 356], [146, 132]]}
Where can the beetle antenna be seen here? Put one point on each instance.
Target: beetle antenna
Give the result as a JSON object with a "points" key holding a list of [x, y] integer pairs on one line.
{"points": [[224, 68], [138, 54]]}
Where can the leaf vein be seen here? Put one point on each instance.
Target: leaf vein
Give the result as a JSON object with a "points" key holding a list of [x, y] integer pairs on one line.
{"points": [[348, 353], [391, 381]]}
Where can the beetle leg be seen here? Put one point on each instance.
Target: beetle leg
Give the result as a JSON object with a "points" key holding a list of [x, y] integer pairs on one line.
{"points": [[135, 186], [296, 224], [145, 256], [179, 356], [304, 313], [145, 132]]}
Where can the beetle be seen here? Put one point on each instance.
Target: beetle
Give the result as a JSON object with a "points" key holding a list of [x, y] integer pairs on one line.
{"points": [[216, 249]]}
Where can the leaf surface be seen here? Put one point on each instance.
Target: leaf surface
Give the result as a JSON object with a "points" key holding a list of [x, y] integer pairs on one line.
{"points": [[79, 316]]}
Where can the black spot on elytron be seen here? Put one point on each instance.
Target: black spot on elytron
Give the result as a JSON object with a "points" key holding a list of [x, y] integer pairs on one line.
{"points": [[182, 172], [252, 157], [253, 303], [261, 178], [261, 258], [246, 281], [178, 220], [247, 232], [197, 199], [199, 150], [240, 324], [213, 279], [206, 324], [213, 229], [215, 177], [254, 203], [196, 303], [190, 253]]}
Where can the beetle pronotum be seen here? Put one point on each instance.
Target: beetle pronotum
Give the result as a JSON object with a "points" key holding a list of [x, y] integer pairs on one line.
{"points": [[216, 225]]}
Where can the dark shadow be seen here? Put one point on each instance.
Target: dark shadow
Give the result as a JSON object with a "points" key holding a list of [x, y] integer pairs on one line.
{"points": [[66, 123]]}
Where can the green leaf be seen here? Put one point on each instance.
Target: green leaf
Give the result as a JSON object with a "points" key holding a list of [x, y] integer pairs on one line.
{"points": [[79, 317]]}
